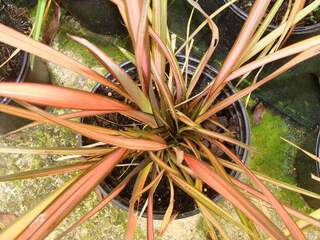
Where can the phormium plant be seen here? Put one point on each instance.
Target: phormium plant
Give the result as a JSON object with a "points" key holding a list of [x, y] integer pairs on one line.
{"points": [[173, 129]]}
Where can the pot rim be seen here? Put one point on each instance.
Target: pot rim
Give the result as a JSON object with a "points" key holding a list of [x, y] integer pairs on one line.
{"points": [[318, 154], [244, 132], [298, 30], [22, 75]]}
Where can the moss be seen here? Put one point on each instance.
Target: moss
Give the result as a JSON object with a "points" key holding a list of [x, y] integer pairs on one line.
{"points": [[201, 228], [106, 43], [274, 157]]}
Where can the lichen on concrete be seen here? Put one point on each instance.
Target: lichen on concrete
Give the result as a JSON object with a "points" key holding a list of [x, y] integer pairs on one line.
{"points": [[18, 196]]}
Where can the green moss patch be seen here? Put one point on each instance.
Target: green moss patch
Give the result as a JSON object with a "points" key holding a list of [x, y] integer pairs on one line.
{"points": [[274, 157]]}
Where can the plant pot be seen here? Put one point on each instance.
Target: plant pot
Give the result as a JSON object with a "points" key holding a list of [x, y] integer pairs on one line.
{"points": [[99, 16], [39, 74], [299, 30], [9, 122], [240, 115], [305, 166], [318, 154], [21, 76], [20, 68]]}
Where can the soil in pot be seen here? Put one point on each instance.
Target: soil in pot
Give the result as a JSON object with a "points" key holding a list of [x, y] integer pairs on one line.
{"points": [[183, 204], [311, 19], [15, 18]]}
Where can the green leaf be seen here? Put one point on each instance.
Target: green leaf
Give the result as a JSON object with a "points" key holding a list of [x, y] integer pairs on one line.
{"points": [[41, 7]]}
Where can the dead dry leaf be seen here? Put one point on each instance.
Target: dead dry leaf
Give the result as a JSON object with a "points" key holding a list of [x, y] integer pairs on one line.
{"points": [[258, 113]]}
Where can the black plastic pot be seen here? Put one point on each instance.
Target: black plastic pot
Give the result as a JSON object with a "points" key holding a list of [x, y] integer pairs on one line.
{"points": [[99, 16], [241, 115], [39, 74], [305, 166], [299, 30], [21, 76], [9, 122], [318, 154]]}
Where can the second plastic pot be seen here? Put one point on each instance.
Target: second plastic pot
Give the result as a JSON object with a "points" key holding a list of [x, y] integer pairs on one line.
{"points": [[9, 122], [318, 154], [299, 30], [39, 74], [243, 134]]}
